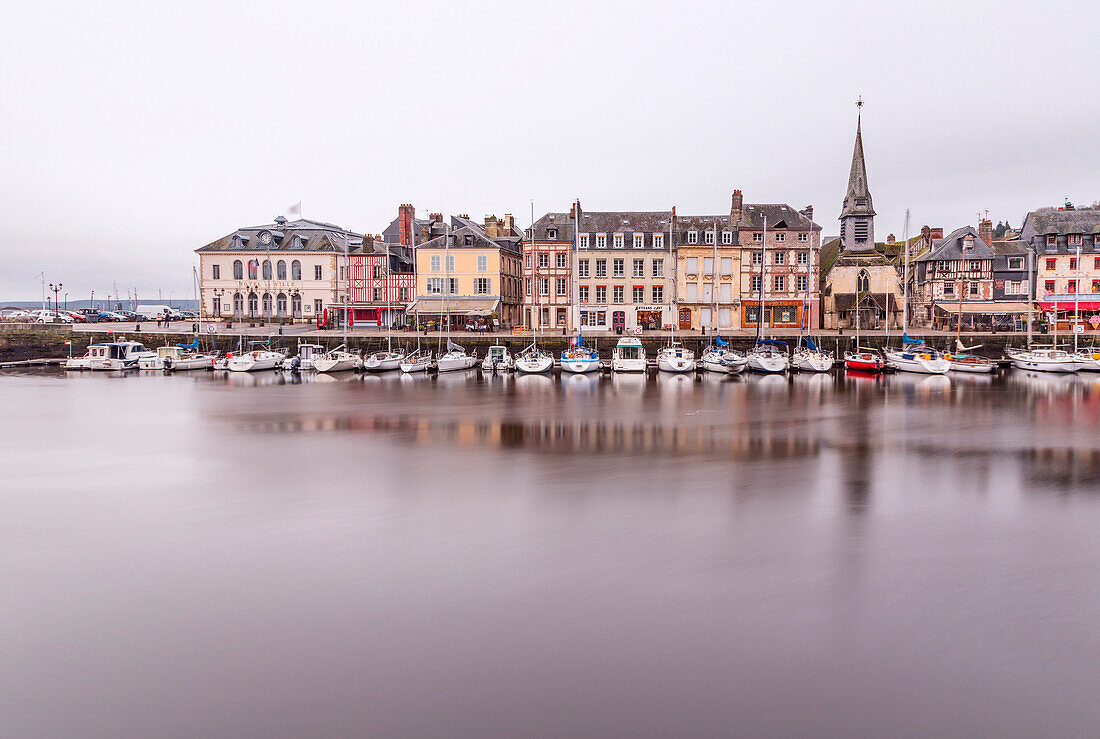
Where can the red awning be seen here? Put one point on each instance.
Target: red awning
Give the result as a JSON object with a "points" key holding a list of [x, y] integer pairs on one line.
{"points": [[1069, 305]]}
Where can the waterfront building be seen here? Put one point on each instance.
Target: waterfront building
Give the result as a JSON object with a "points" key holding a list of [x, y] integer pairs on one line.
{"points": [[860, 278], [283, 270], [548, 272], [708, 271], [381, 283], [777, 269], [1056, 235], [477, 277]]}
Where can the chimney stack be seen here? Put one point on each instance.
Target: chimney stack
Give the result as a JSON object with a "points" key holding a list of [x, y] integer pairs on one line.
{"points": [[405, 216], [737, 207], [808, 211], [985, 230], [509, 223]]}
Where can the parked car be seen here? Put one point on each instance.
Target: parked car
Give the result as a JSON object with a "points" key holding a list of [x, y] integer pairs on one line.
{"points": [[48, 316], [90, 315], [77, 317], [113, 315]]}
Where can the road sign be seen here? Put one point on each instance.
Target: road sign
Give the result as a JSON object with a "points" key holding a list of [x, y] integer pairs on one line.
{"points": [[1078, 328], [210, 328]]}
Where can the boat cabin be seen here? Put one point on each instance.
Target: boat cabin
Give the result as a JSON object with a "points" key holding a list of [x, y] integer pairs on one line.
{"points": [[629, 349], [309, 351], [496, 353]]}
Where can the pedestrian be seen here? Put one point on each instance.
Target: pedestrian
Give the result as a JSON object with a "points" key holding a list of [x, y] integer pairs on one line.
{"points": [[158, 320]]}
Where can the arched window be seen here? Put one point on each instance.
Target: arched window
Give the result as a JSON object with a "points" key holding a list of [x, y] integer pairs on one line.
{"points": [[863, 282], [252, 305], [295, 270], [253, 268], [296, 305], [280, 302], [238, 270], [280, 270], [238, 305], [267, 269], [267, 305]]}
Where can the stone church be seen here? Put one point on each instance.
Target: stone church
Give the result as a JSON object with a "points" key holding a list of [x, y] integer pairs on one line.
{"points": [[860, 280]]}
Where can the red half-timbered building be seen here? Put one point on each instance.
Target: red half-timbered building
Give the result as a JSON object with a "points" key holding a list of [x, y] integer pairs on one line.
{"points": [[379, 292]]}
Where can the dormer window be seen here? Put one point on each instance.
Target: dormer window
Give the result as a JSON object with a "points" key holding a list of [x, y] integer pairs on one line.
{"points": [[584, 241], [239, 241], [693, 237], [551, 233], [757, 236], [708, 237], [727, 237], [1052, 239], [1075, 239]]}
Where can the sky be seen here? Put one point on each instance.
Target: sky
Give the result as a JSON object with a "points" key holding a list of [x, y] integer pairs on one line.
{"points": [[133, 133]]}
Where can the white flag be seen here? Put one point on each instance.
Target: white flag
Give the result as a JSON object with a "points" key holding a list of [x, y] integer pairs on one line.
{"points": [[295, 210]]}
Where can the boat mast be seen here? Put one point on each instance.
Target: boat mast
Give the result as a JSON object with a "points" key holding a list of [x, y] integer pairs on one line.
{"points": [[1076, 294], [905, 281], [576, 266], [535, 265], [347, 276], [1030, 293], [671, 271], [760, 292], [714, 288], [416, 298], [386, 298], [446, 288]]}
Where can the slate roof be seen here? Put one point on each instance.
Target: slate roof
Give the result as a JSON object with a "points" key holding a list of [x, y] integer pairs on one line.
{"points": [[463, 227], [779, 215], [301, 235], [1012, 247], [951, 247], [857, 181], [649, 221], [1047, 221]]}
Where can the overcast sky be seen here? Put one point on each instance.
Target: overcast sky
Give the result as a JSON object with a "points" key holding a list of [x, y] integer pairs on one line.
{"points": [[133, 133]]}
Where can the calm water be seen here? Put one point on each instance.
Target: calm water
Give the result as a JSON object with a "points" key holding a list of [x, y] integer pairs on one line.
{"points": [[408, 556]]}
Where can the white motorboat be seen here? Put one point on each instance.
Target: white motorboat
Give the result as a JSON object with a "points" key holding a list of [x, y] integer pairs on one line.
{"points": [[810, 358], [455, 359], [120, 355], [769, 356], [534, 361], [920, 359], [384, 361], [337, 360], [628, 356], [418, 361], [1087, 361], [95, 351], [970, 363], [256, 360], [675, 358], [1045, 360], [303, 360], [498, 359], [175, 358], [580, 359]]}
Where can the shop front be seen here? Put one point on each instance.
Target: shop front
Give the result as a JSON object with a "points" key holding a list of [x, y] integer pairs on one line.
{"points": [[772, 314]]}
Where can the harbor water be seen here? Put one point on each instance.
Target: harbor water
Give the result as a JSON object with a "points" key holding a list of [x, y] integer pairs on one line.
{"points": [[465, 555]]}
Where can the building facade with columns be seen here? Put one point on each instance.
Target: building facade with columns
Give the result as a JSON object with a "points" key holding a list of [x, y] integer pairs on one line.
{"points": [[283, 270]]}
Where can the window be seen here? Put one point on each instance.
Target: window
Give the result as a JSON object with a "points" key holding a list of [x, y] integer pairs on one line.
{"points": [[217, 270], [403, 294], [376, 272], [1052, 239], [377, 294], [618, 241], [975, 266], [863, 282], [450, 263], [582, 293], [639, 268], [781, 237], [803, 237], [454, 285], [618, 267], [658, 241], [617, 293], [318, 306], [527, 287], [639, 241], [863, 229], [727, 237], [280, 270], [1049, 286], [601, 294], [1095, 262], [1074, 239], [544, 260], [295, 270], [544, 286], [562, 260], [1051, 264], [341, 273], [527, 261], [708, 237], [756, 283], [973, 289], [561, 286], [803, 283], [1071, 287], [435, 285], [437, 262], [757, 236], [757, 259], [779, 258], [658, 294], [601, 241], [551, 234], [779, 283], [238, 270], [691, 294], [1073, 262], [639, 294], [803, 258], [267, 269], [584, 241], [725, 317], [253, 269], [752, 314], [1096, 286], [693, 237], [948, 288], [1018, 262], [708, 265], [481, 285], [692, 266], [601, 268], [482, 263], [582, 268], [726, 265], [658, 268]]}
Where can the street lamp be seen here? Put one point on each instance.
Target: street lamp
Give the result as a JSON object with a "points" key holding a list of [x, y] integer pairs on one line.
{"points": [[56, 289], [66, 301]]}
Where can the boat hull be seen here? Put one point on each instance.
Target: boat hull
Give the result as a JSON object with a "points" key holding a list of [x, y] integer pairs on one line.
{"points": [[534, 366], [863, 363], [184, 364], [628, 365], [1033, 365], [723, 362], [676, 364], [768, 365], [455, 363], [812, 362], [915, 363], [343, 364], [375, 363], [971, 367], [420, 365], [249, 363], [580, 365]]}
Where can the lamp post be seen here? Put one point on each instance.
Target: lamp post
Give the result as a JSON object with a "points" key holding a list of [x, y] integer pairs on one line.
{"points": [[66, 301], [56, 289]]}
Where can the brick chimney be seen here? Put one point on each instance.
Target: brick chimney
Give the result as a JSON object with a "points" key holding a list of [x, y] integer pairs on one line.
{"points": [[737, 207], [509, 223], [435, 217], [985, 230], [808, 211], [891, 239], [405, 216]]}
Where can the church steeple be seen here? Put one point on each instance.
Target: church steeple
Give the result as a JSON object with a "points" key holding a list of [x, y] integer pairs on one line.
{"points": [[857, 215]]}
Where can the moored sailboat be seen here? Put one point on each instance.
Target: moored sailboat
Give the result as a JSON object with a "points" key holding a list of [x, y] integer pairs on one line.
{"points": [[337, 360]]}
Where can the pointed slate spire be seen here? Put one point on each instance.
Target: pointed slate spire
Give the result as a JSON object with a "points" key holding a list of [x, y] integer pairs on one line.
{"points": [[857, 213]]}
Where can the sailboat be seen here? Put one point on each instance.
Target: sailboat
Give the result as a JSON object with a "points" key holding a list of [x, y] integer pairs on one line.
{"points": [[532, 360], [767, 356], [455, 358], [961, 360], [719, 358], [916, 356], [675, 357], [808, 357], [419, 360], [578, 358], [337, 360], [389, 359], [256, 359]]}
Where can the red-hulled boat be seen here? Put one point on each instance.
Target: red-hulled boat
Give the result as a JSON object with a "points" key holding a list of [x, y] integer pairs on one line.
{"points": [[863, 360]]}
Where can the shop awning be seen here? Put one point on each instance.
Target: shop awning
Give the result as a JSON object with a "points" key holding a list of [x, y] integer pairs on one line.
{"points": [[983, 309], [457, 306], [1065, 302]]}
